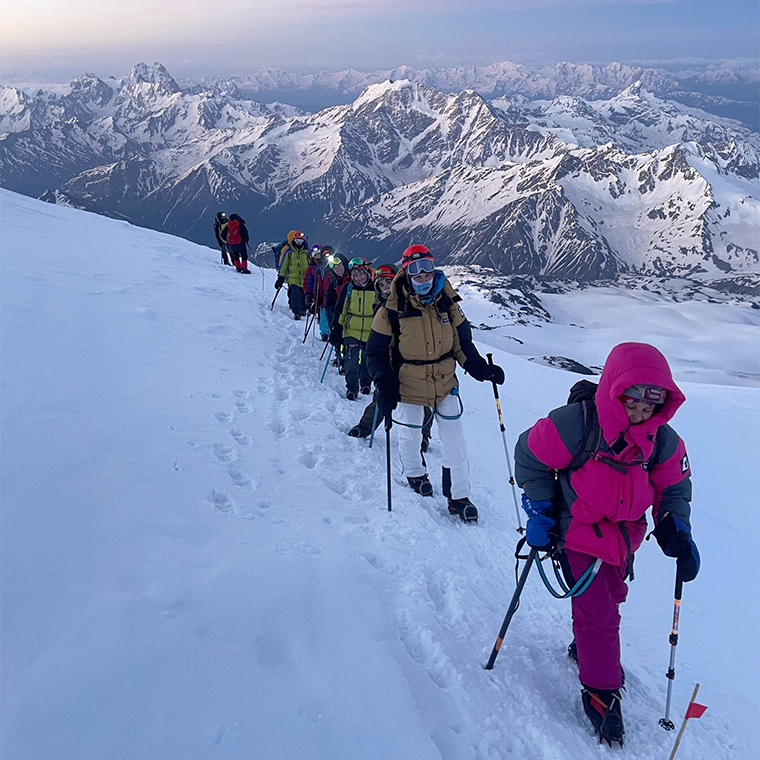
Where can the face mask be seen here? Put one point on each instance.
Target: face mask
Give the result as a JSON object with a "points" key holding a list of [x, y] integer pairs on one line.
{"points": [[422, 288]]}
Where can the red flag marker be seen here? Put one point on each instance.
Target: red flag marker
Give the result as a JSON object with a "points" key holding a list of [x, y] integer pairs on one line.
{"points": [[694, 710]]}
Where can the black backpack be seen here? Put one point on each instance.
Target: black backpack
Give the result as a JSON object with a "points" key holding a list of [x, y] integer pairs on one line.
{"points": [[583, 392]]}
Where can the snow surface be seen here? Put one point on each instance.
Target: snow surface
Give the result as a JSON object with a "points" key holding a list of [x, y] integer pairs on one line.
{"points": [[705, 342], [197, 562]]}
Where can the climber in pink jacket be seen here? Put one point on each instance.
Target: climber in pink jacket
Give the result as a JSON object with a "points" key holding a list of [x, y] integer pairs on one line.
{"points": [[589, 472]]}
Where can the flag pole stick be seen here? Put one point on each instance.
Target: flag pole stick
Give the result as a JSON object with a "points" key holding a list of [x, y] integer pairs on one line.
{"points": [[683, 725]]}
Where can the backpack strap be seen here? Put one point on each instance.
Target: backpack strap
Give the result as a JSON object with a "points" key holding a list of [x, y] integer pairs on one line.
{"points": [[592, 436], [394, 320]]}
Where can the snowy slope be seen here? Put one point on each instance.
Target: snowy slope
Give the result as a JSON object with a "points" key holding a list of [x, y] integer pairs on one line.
{"points": [[197, 562]]}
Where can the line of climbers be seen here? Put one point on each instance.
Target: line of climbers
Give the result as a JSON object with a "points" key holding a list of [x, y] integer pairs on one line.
{"points": [[232, 238], [589, 470], [403, 329]]}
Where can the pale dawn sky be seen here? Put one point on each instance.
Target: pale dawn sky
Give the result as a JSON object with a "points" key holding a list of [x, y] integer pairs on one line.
{"points": [[66, 37]]}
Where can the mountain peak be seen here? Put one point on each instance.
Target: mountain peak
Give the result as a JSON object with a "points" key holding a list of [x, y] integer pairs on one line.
{"points": [[155, 74], [380, 90]]}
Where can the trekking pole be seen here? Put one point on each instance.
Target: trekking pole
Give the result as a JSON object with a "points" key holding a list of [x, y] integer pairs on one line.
{"points": [[322, 355], [309, 322], [513, 605], [326, 363], [503, 429], [666, 722], [271, 308], [388, 426], [374, 425]]}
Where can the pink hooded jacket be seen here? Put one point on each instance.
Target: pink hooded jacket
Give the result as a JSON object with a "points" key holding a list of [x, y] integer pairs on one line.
{"points": [[602, 504]]}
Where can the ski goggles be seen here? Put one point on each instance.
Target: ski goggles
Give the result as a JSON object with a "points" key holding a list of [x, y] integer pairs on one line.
{"points": [[418, 266], [649, 394], [357, 262], [333, 261]]}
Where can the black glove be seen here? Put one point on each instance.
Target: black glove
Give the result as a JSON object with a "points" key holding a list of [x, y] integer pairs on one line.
{"points": [[278, 283], [336, 336], [387, 396], [481, 370], [308, 300], [674, 537]]}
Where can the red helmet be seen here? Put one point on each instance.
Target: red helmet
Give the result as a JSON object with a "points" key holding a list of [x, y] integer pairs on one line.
{"points": [[418, 253], [385, 270]]}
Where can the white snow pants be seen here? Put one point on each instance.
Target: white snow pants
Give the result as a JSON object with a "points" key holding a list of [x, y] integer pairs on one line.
{"points": [[453, 443]]}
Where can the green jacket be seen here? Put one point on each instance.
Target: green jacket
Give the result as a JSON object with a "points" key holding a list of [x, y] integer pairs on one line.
{"points": [[294, 266], [355, 309]]}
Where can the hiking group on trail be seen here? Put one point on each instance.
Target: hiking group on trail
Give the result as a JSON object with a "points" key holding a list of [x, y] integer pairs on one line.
{"points": [[232, 239], [589, 470]]}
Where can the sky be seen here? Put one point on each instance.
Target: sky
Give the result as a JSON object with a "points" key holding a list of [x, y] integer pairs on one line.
{"points": [[191, 38]]}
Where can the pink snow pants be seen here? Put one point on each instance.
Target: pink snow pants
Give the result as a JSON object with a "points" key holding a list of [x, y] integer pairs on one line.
{"points": [[596, 622]]}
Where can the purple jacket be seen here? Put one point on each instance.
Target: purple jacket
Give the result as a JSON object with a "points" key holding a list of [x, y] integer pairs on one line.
{"points": [[602, 505]]}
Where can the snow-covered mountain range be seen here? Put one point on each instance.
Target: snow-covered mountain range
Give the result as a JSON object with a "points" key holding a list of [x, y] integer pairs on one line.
{"points": [[728, 90], [562, 188]]}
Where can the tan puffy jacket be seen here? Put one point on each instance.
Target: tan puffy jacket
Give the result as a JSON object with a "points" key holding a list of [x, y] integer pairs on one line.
{"points": [[426, 351]]}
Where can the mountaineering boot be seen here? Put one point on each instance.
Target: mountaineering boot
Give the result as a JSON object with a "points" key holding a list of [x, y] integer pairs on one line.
{"points": [[366, 390], [245, 271], [603, 709], [352, 394], [464, 508], [357, 431], [572, 653], [325, 337], [421, 485]]}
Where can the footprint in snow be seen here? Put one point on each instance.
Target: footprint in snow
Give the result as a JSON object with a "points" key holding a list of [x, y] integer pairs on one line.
{"points": [[244, 408], [240, 394], [221, 500], [224, 453], [223, 416], [278, 427], [241, 438], [239, 478], [309, 458]]}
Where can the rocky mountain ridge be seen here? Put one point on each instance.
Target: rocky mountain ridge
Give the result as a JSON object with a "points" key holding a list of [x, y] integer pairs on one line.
{"points": [[561, 188]]}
